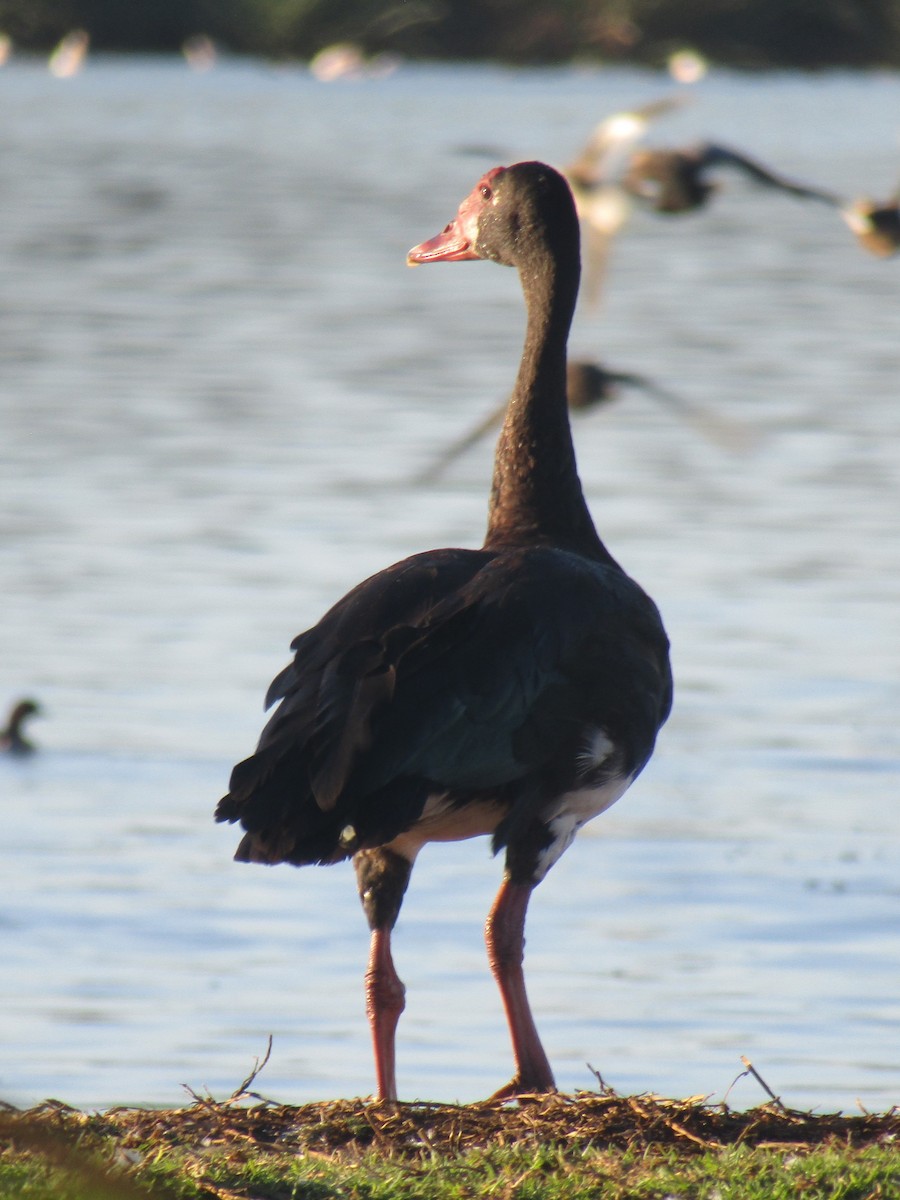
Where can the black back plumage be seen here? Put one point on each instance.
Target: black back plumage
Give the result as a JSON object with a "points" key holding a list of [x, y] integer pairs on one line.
{"points": [[456, 671]]}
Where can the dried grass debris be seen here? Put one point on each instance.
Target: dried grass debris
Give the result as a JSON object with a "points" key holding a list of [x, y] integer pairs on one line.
{"points": [[352, 1128]]}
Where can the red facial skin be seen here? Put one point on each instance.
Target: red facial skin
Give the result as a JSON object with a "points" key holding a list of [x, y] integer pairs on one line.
{"points": [[456, 242]]}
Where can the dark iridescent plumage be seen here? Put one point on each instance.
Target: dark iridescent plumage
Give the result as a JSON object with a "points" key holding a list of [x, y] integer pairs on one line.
{"points": [[514, 690]]}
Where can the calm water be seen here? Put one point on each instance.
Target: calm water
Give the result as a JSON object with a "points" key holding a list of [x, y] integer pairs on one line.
{"points": [[218, 378]]}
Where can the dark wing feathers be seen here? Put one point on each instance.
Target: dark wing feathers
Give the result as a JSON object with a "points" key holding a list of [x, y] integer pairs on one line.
{"points": [[341, 669], [465, 687], [481, 673], [710, 154]]}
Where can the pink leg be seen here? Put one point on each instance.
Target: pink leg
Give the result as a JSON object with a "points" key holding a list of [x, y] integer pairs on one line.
{"points": [[384, 1004], [504, 935]]}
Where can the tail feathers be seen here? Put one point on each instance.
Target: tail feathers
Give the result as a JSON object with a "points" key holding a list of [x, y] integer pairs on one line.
{"points": [[269, 794], [289, 826], [264, 848], [282, 845], [257, 786], [284, 826]]}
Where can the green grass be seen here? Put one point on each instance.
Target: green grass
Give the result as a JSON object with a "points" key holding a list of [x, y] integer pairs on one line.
{"points": [[742, 1174], [736, 1173], [556, 1148]]}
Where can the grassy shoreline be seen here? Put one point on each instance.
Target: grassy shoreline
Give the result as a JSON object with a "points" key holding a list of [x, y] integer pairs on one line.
{"points": [[541, 1148]]}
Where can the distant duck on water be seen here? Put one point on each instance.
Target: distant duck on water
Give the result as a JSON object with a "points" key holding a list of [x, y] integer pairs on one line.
{"points": [[514, 691], [12, 740]]}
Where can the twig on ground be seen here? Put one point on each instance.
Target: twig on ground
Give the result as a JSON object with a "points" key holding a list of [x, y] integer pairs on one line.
{"points": [[240, 1093], [751, 1070], [605, 1089], [257, 1067]]}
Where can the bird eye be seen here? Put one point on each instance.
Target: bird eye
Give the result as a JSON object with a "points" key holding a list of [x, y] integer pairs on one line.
{"points": [[486, 192]]}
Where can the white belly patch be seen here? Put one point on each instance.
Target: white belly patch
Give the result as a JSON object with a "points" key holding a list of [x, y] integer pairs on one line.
{"points": [[442, 821], [574, 809], [595, 791]]}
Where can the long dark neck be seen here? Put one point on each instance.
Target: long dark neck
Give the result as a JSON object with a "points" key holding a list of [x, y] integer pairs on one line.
{"points": [[536, 498]]}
